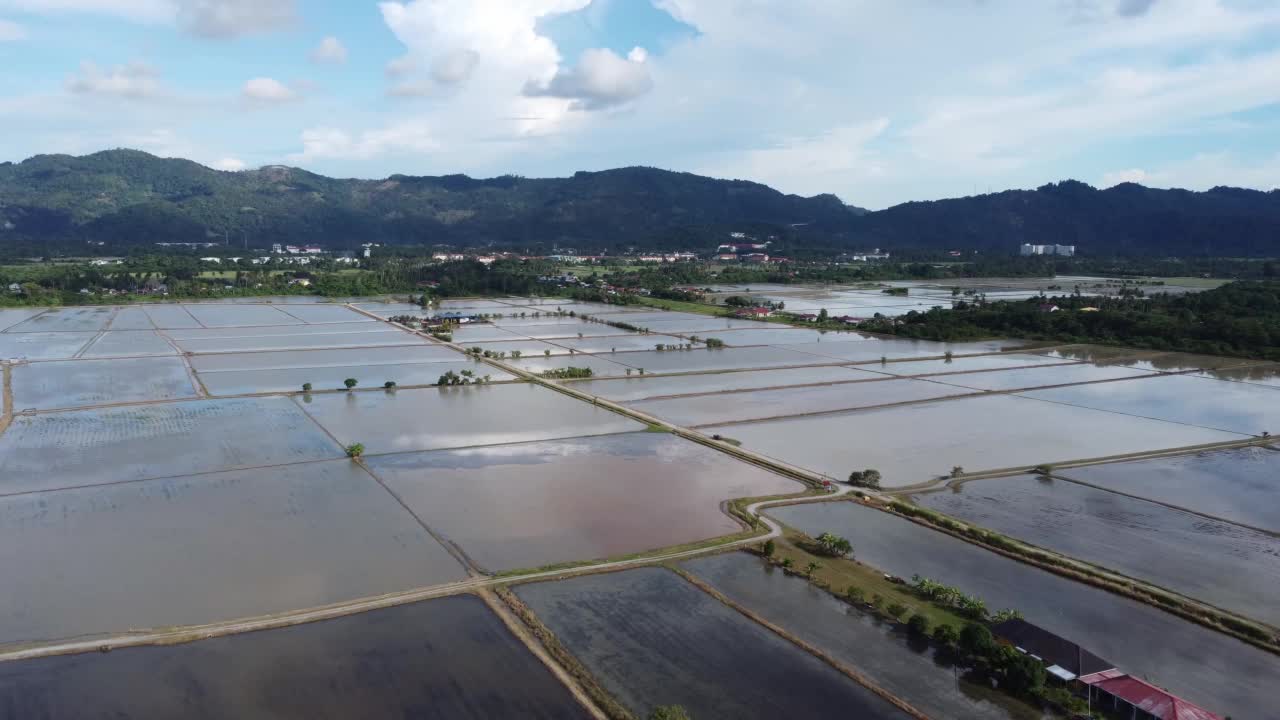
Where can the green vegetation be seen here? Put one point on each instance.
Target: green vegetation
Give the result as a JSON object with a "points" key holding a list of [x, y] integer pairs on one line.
{"points": [[389, 385], [465, 377], [833, 546], [355, 450], [350, 383], [568, 373], [669, 712], [1240, 319], [714, 343], [306, 387], [868, 478]]}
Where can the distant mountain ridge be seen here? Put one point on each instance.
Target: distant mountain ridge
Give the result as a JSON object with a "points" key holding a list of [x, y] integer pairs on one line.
{"points": [[128, 197]]}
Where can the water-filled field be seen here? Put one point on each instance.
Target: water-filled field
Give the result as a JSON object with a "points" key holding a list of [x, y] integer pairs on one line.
{"points": [[910, 670], [717, 359], [42, 345], [201, 548], [89, 447], [915, 443], [78, 383], [436, 418], [785, 336], [12, 316], [874, 349], [324, 314], [240, 315], [238, 382], [1040, 377], [445, 658], [128, 343], [170, 317], [1204, 666], [653, 639], [385, 336], [336, 357], [637, 388], [757, 404], [1236, 485], [963, 364], [276, 331], [1226, 565], [598, 365], [534, 504], [1233, 407], [73, 319], [622, 343]]}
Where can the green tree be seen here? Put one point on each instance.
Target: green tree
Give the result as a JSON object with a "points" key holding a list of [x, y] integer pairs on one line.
{"points": [[768, 548], [822, 315], [306, 387], [355, 450], [918, 625], [945, 635], [390, 384], [350, 383], [976, 640], [868, 478]]}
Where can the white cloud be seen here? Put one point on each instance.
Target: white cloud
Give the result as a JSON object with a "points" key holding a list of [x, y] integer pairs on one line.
{"points": [[454, 66], [230, 164], [332, 143], [233, 18], [11, 31], [268, 91], [135, 80], [1132, 175], [145, 11], [601, 80], [1206, 170], [329, 51], [812, 164]]}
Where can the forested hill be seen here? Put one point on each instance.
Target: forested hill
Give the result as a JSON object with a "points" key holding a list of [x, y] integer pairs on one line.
{"points": [[1126, 219], [127, 197]]}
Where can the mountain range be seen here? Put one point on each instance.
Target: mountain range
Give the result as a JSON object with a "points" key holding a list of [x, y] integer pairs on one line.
{"points": [[127, 197]]}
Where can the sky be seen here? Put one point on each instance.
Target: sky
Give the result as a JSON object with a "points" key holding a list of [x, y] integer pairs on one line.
{"points": [[877, 101]]}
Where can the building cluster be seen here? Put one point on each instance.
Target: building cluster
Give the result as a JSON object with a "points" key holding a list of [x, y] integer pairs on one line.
{"points": [[1105, 688], [1059, 250]]}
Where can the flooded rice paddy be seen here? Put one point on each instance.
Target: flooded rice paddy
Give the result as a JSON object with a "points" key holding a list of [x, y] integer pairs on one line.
{"points": [[128, 343], [916, 443], [246, 382], [639, 388], [786, 336], [79, 383], [1203, 402], [76, 319], [759, 404], [340, 357], [197, 549], [239, 315], [1226, 565], [717, 359], [1041, 376], [436, 418], [43, 346], [963, 364], [258, 331], [599, 366], [170, 317], [445, 658], [12, 316], [653, 639], [623, 343], [1216, 671], [1238, 486], [305, 341], [913, 672], [534, 504], [91, 447]]}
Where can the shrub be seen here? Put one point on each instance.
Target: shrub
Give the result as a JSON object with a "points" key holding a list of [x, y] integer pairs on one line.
{"points": [[918, 625], [855, 593], [946, 636], [355, 450], [896, 609], [768, 548]]}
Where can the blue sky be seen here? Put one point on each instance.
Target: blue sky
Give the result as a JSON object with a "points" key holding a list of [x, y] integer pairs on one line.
{"points": [[877, 102]]}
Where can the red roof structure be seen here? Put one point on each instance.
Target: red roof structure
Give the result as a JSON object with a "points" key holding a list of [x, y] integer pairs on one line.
{"points": [[1145, 697]]}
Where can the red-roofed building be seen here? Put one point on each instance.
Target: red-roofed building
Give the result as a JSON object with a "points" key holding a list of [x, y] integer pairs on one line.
{"points": [[755, 312], [1113, 689]]}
